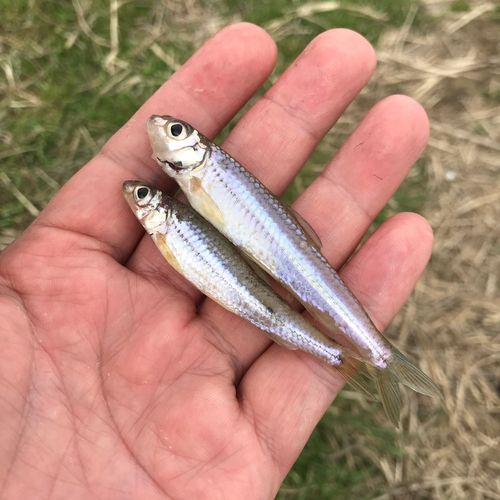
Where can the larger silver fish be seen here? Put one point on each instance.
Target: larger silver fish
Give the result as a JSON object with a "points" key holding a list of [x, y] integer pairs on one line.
{"points": [[208, 260], [275, 237]]}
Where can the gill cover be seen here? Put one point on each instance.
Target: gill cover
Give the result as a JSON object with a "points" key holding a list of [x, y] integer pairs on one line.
{"points": [[146, 203], [176, 145]]}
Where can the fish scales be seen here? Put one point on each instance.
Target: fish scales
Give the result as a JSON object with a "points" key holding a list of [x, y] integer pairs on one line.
{"points": [[213, 268], [281, 246]]}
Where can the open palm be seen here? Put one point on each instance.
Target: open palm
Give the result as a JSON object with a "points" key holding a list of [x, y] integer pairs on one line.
{"points": [[116, 379]]}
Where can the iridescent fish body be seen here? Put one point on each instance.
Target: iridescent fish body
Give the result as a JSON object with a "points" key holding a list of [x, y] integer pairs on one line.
{"points": [[274, 236], [208, 260]]}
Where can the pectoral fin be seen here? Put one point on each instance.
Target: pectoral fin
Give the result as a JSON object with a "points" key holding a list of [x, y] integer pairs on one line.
{"points": [[204, 204], [167, 253]]}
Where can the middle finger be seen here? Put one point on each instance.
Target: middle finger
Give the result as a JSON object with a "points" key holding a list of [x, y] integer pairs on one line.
{"points": [[279, 133]]}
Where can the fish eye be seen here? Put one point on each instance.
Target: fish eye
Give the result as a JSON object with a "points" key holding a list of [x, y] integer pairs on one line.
{"points": [[178, 130], [142, 194]]}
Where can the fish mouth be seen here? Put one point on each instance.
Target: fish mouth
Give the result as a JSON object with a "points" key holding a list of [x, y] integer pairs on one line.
{"points": [[174, 165]]}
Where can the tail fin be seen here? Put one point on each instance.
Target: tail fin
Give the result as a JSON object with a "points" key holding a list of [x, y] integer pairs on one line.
{"points": [[408, 374], [388, 390], [354, 373], [401, 370], [358, 375]]}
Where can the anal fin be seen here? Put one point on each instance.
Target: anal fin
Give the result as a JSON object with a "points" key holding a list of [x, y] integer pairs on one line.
{"points": [[280, 341]]}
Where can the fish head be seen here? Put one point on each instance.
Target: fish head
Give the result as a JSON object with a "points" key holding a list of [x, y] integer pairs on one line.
{"points": [[148, 205], [177, 147]]}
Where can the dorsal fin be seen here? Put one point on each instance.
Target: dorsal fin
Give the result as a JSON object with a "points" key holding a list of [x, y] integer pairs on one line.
{"points": [[306, 227]]}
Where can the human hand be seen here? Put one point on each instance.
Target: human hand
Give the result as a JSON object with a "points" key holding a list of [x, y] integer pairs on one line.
{"points": [[116, 380]]}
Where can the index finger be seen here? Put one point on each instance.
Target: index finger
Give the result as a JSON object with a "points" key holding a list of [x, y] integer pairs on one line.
{"points": [[209, 89]]}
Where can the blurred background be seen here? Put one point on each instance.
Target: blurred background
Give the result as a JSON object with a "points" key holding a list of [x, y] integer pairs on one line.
{"points": [[73, 71]]}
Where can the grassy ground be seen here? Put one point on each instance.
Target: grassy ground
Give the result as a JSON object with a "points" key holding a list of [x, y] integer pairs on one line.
{"points": [[73, 77], [72, 72]]}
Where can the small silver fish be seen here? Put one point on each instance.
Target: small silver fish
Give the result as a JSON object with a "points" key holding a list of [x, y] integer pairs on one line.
{"points": [[281, 242], [208, 260]]}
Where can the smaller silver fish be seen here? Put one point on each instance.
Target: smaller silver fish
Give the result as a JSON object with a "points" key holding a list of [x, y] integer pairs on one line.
{"points": [[208, 260]]}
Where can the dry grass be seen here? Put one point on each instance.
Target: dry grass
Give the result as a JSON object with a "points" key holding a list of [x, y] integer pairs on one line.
{"points": [[454, 314]]}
